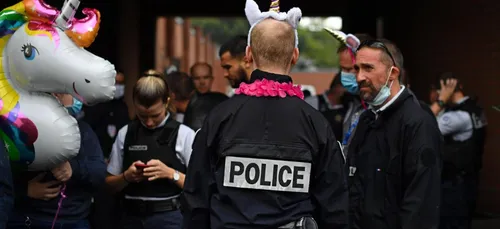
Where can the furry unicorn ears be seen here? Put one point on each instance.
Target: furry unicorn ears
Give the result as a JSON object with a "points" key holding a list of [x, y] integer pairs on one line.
{"points": [[254, 16], [349, 40]]}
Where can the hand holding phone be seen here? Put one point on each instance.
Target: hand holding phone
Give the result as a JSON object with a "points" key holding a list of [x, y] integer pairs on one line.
{"points": [[141, 166]]}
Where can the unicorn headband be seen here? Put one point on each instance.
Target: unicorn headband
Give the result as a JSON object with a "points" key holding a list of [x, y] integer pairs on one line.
{"points": [[254, 16], [349, 40]]}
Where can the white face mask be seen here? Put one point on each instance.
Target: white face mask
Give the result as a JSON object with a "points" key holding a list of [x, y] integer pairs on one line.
{"points": [[384, 92], [120, 91]]}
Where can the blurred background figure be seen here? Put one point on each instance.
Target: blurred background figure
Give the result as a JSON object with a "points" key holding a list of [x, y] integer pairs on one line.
{"points": [[237, 68], [182, 89], [202, 76]]}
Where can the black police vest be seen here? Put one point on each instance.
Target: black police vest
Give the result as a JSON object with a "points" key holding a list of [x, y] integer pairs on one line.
{"points": [[144, 144], [466, 156]]}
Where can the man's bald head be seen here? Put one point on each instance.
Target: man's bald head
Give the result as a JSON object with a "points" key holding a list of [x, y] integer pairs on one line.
{"points": [[272, 44]]}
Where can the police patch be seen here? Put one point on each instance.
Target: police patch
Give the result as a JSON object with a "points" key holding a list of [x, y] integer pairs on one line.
{"points": [[264, 174], [138, 148]]}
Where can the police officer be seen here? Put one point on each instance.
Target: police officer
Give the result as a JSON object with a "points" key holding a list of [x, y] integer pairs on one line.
{"points": [[463, 125], [149, 159], [264, 158], [394, 156]]}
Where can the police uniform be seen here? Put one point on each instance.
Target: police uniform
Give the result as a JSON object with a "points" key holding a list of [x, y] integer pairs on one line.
{"points": [[153, 203], [463, 127], [265, 162], [395, 168]]}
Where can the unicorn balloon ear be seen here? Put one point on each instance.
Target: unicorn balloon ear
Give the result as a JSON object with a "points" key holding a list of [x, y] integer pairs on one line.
{"points": [[352, 41], [252, 12]]}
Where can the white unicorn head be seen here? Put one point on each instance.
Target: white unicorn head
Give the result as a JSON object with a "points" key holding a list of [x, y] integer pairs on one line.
{"points": [[254, 16], [45, 52]]}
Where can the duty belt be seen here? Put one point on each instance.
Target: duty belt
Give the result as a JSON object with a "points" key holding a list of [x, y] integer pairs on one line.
{"points": [[142, 207], [302, 223]]}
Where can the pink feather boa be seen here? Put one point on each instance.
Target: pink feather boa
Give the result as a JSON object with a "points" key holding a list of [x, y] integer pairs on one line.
{"points": [[270, 88]]}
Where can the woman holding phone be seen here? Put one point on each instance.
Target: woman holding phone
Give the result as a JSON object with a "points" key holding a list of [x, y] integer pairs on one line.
{"points": [[149, 158]]}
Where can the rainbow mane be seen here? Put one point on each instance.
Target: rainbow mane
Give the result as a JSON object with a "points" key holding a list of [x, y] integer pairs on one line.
{"points": [[18, 132]]}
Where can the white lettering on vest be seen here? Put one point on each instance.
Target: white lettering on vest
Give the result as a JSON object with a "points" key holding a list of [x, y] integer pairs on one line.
{"points": [[138, 148], [264, 174]]}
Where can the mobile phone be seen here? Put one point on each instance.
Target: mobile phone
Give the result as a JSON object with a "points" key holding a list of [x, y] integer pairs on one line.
{"points": [[141, 165]]}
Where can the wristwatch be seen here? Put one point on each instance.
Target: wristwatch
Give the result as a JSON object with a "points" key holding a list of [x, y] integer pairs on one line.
{"points": [[440, 103], [177, 176]]}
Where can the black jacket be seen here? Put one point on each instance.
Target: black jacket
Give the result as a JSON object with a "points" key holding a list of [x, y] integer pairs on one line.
{"points": [[199, 106], [260, 128], [395, 168]]}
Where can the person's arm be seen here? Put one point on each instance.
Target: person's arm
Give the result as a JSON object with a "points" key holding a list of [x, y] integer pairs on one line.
{"points": [[454, 122], [88, 166], [195, 200], [421, 176], [329, 190], [183, 147], [447, 90], [116, 180], [6, 187]]}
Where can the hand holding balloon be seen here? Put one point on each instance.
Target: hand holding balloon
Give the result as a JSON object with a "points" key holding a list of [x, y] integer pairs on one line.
{"points": [[43, 191], [63, 172]]}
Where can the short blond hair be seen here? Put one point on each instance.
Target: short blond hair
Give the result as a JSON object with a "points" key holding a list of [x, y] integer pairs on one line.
{"points": [[149, 89], [272, 43]]}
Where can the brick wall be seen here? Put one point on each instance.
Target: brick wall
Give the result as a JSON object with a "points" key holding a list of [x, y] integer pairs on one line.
{"points": [[462, 37]]}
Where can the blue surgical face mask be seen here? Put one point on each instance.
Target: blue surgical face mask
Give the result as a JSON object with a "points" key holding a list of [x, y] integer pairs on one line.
{"points": [[383, 94], [348, 80], [75, 108]]}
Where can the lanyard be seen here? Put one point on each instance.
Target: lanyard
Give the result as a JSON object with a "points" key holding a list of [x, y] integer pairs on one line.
{"points": [[349, 132]]}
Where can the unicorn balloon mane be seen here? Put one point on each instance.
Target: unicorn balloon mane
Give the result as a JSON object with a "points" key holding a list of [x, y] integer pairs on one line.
{"points": [[41, 52], [254, 16]]}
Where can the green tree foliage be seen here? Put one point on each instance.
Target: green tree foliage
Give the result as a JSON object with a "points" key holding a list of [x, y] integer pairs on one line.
{"points": [[318, 46]]}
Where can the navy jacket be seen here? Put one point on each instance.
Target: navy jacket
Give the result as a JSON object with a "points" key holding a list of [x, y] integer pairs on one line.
{"points": [[89, 172], [6, 190]]}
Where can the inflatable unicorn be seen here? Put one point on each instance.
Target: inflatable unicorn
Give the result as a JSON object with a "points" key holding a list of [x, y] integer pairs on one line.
{"points": [[41, 52], [254, 16]]}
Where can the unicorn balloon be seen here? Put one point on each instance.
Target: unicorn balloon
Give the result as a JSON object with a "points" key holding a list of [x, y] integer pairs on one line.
{"points": [[41, 52]]}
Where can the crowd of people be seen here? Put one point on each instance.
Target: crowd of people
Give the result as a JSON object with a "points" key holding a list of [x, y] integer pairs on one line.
{"points": [[366, 154]]}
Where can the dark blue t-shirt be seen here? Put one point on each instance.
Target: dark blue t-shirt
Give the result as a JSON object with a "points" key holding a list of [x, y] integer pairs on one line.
{"points": [[89, 172]]}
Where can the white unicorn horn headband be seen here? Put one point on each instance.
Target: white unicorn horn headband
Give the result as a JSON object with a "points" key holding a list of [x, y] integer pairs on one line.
{"points": [[67, 14], [349, 40], [254, 16]]}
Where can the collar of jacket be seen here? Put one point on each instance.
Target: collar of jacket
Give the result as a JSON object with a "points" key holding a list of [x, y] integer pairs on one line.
{"points": [[260, 75]]}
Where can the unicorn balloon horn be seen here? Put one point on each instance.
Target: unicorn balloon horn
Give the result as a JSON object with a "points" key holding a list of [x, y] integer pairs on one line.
{"points": [[275, 6], [68, 11]]}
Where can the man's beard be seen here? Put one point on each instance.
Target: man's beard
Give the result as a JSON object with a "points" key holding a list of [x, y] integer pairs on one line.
{"points": [[368, 96], [242, 78]]}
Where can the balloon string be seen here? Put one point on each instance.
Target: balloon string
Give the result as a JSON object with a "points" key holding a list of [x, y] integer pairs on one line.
{"points": [[59, 205]]}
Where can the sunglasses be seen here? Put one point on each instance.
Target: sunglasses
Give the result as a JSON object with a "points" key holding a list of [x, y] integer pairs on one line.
{"points": [[378, 45]]}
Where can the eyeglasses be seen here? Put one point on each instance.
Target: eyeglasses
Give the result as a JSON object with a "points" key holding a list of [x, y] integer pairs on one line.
{"points": [[378, 45]]}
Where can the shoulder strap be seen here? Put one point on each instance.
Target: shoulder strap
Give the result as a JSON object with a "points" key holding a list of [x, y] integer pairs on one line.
{"points": [[169, 133], [131, 135]]}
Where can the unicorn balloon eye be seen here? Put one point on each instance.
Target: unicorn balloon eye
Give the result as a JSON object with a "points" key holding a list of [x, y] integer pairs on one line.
{"points": [[29, 51]]}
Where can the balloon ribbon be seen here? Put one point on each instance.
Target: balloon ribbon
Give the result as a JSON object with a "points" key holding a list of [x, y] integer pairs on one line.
{"points": [[59, 205]]}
